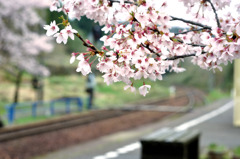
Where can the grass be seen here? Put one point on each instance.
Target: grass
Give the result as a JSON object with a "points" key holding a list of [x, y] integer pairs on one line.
{"points": [[236, 151], [108, 96], [30, 119], [217, 148], [114, 95], [74, 86], [221, 151], [105, 96], [217, 94]]}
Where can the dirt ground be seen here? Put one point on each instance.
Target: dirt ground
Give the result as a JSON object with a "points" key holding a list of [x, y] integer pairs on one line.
{"points": [[27, 147]]}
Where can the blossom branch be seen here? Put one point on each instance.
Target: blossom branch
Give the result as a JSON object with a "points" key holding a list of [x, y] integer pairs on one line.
{"points": [[96, 51], [191, 22], [215, 12], [192, 44], [116, 1], [183, 56], [141, 44], [173, 18], [191, 30], [151, 50], [196, 45]]}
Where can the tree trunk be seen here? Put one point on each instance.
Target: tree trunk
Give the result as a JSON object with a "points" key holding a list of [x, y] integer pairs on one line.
{"points": [[17, 84], [40, 90], [37, 84]]}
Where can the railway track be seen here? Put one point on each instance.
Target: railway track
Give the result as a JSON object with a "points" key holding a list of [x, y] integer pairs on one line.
{"points": [[27, 141], [10, 133], [183, 102]]}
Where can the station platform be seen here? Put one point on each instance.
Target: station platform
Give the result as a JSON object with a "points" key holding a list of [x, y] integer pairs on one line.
{"points": [[214, 121]]}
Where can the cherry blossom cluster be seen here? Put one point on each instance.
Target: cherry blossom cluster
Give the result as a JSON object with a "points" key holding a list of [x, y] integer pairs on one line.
{"points": [[61, 36], [218, 4], [138, 44]]}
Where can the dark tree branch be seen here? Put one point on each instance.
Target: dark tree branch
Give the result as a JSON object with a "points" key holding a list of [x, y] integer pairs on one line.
{"points": [[116, 1], [96, 51], [215, 12], [173, 18], [196, 45], [182, 56], [147, 47], [191, 30], [180, 41], [179, 57], [191, 22], [175, 57]]}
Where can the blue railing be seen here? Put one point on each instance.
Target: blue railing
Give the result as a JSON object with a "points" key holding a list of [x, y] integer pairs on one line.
{"points": [[34, 109]]}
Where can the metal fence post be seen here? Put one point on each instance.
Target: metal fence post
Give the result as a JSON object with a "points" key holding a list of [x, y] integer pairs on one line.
{"points": [[67, 102], [79, 104], [34, 109], [11, 113], [52, 111]]}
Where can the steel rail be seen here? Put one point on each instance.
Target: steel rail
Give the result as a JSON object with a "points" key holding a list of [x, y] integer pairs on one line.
{"points": [[11, 133]]}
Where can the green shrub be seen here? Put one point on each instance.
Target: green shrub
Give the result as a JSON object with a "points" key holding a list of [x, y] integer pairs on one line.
{"points": [[236, 151]]}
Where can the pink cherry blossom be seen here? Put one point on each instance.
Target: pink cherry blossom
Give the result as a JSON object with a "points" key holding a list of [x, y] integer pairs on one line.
{"points": [[73, 57], [54, 6], [133, 89], [141, 73], [61, 37], [105, 66], [238, 29], [51, 29], [108, 78], [84, 67], [143, 90], [138, 42], [69, 31]]}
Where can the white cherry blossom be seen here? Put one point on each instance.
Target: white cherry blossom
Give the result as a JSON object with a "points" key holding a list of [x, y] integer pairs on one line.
{"points": [[69, 31], [51, 29], [138, 43], [133, 89], [72, 59], [143, 90], [84, 67], [238, 29], [61, 37]]}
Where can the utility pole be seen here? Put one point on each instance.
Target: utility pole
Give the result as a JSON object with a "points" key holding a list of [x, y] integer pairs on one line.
{"points": [[236, 110]]}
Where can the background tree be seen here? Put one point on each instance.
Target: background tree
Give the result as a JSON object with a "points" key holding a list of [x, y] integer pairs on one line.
{"points": [[21, 44], [20, 41]]}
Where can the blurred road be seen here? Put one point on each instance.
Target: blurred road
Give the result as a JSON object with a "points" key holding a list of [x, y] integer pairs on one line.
{"points": [[214, 123]]}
